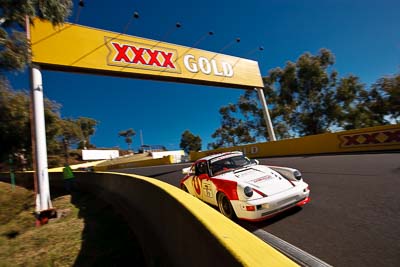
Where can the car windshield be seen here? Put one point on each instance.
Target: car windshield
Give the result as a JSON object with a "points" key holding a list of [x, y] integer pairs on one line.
{"points": [[224, 164]]}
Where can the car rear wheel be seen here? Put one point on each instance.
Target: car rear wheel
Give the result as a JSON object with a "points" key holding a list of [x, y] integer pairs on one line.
{"points": [[225, 207]]}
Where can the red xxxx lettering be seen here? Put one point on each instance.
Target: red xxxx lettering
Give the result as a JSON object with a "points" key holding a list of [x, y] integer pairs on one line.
{"points": [[351, 140], [370, 138], [138, 56], [392, 136]]}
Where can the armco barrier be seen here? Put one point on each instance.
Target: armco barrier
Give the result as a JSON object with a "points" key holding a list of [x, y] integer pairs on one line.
{"points": [[378, 138], [173, 228]]}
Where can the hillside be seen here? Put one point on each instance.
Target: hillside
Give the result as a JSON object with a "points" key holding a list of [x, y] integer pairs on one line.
{"points": [[87, 232]]}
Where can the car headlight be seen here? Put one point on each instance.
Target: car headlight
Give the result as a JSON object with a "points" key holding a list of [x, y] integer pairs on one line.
{"points": [[248, 191], [297, 175]]}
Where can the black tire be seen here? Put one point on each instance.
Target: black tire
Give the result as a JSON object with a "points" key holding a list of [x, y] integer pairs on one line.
{"points": [[183, 187], [225, 207]]}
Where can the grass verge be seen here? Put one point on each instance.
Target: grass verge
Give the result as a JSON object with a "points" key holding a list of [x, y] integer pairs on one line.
{"points": [[87, 232]]}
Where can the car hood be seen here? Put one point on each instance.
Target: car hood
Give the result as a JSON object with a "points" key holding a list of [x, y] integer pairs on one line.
{"points": [[261, 178]]}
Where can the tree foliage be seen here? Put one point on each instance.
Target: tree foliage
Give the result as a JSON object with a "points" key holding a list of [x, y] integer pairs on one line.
{"points": [[15, 130], [14, 120], [13, 43], [357, 106], [388, 90], [302, 94], [233, 130], [128, 134], [14, 56], [71, 132], [306, 97], [88, 128], [190, 142]]}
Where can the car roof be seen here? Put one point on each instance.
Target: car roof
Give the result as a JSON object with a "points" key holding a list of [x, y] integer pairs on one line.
{"points": [[213, 156]]}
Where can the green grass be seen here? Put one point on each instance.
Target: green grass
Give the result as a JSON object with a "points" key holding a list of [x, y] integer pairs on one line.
{"points": [[88, 232]]}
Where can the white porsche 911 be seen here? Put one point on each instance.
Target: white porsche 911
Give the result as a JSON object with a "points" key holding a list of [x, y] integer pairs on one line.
{"points": [[242, 189]]}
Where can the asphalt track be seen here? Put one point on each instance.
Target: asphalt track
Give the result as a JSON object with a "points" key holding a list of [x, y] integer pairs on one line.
{"points": [[353, 218]]}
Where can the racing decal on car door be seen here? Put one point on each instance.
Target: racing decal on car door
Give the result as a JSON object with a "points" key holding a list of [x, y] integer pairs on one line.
{"points": [[207, 190], [196, 185]]}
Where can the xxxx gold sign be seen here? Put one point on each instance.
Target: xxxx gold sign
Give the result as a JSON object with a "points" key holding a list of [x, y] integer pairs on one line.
{"points": [[72, 47]]}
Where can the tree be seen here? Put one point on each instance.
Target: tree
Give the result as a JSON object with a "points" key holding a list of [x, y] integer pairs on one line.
{"points": [[88, 128], [14, 56], [306, 97], [128, 134], [71, 135], [303, 93], [15, 125], [387, 89], [233, 131], [15, 122], [13, 43], [190, 142], [355, 105], [300, 98]]}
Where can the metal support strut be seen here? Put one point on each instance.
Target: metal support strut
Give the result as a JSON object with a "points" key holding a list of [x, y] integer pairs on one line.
{"points": [[43, 200], [267, 118]]}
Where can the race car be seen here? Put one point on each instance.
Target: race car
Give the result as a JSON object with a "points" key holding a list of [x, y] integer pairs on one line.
{"points": [[241, 188]]}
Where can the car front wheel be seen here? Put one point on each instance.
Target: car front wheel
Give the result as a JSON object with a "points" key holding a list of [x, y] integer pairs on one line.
{"points": [[184, 188], [225, 207]]}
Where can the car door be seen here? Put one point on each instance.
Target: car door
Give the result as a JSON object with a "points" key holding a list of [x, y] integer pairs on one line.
{"points": [[202, 182]]}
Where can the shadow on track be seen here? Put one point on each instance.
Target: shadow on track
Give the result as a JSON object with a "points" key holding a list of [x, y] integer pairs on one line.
{"points": [[252, 226]]}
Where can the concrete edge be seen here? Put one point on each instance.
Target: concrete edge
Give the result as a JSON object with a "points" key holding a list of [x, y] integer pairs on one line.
{"points": [[299, 256]]}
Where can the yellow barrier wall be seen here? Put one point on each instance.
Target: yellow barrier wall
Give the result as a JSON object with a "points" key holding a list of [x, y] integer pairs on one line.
{"points": [[173, 228], [367, 139], [134, 164]]}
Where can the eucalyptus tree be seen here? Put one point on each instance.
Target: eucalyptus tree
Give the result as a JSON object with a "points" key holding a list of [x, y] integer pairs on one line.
{"points": [[307, 97], [71, 134], [190, 142], [303, 93], [88, 128], [233, 130], [13, 14], [128, 134], [388, 88], [15, 122]]}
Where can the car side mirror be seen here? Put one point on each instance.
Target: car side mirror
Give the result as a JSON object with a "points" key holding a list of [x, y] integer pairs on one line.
{"points": [[255, 161], [186, 170]]}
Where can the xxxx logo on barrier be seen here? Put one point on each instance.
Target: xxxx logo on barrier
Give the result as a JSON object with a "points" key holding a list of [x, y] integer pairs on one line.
{"points": [[379, 138], [141, 56]]}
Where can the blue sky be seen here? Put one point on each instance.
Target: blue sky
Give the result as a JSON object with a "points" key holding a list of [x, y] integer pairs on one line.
{"points": [[363, 35]]}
